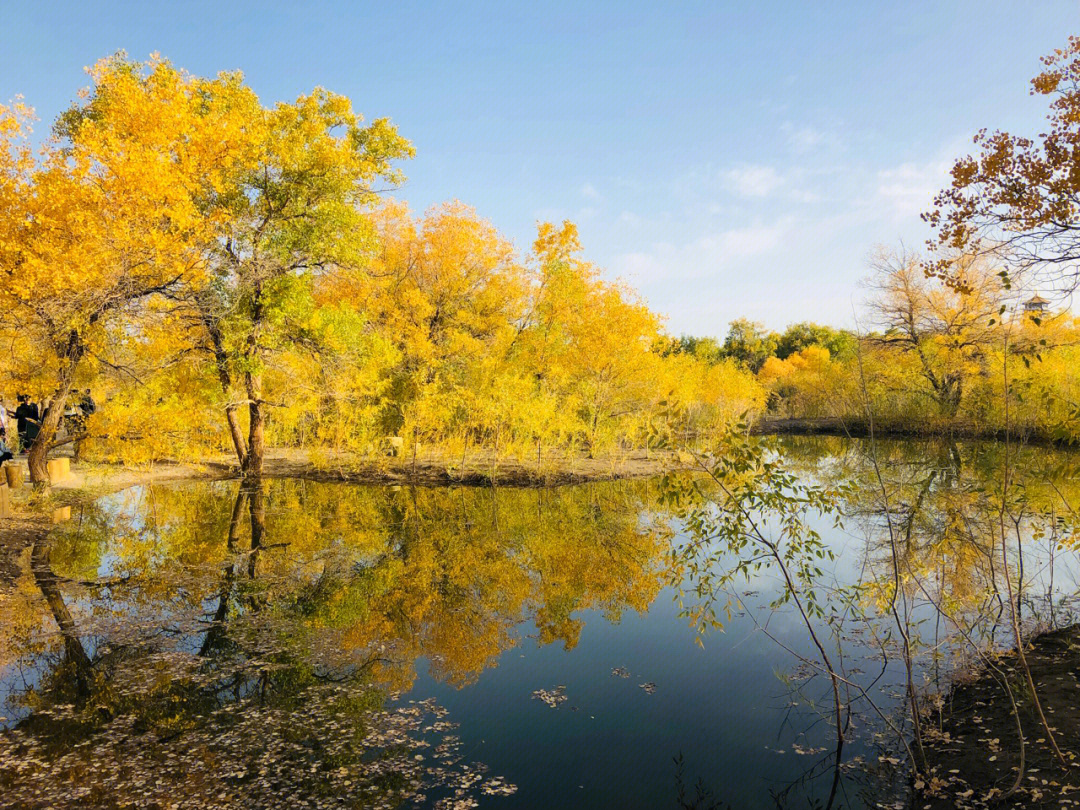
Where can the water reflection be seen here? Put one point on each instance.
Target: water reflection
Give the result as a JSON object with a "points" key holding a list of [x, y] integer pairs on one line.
{"points": [[234, 645], [969, 554], [952, 510], [218, 645]]}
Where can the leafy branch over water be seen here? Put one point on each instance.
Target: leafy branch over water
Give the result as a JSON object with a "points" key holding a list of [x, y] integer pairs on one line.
{"points": [[937, 576], [755, 523]]}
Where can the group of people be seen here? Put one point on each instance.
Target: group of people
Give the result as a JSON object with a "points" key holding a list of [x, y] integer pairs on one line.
{"points": [[28, 415]]}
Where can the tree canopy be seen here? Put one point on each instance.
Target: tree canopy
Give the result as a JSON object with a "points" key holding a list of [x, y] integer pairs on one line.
{"points": [[1018, 198]]}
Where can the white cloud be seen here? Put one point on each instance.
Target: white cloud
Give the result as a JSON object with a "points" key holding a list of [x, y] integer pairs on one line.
{"points": [[752, 180], [742, 242], [779, 242], [702, 257], [805, 138], [589, 192], [802, 196], [908, 189]]}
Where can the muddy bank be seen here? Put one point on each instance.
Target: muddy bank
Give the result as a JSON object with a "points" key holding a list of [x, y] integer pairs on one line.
{"points": [[922, 429], [32, 517], [974, 749], [479, 471]]}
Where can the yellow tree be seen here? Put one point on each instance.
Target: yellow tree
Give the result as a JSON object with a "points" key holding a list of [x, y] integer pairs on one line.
{"points": [[108, 214], [587, 339], [948, 329], [803, 383], [449, 292], [1018, 198], [299, 209]]}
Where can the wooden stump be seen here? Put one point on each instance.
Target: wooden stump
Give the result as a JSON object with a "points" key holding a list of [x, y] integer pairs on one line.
{"points": [[59, 470], [13, 474]]}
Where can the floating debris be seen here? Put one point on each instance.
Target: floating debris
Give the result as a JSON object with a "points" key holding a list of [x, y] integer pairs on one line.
{"points": [[620, 672], [648, 686], [498, 786], [551, 697], [278, 758]]}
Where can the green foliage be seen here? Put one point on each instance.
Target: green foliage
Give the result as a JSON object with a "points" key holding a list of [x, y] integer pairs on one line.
{"points": [[751, 514], [749, 344], [840, 343], [706, 349]]}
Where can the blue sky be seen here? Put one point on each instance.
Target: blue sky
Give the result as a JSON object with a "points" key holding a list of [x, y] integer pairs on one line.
{"points": [[727, 160]]}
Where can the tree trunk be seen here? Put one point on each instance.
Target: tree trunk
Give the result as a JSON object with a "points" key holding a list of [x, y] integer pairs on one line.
{"points": [[221, 360], [74, 652], [256, 445], [950, 393], [257, 515], [50, 420], [37, 459], [236, 433], [216, 636], [592, 433]]}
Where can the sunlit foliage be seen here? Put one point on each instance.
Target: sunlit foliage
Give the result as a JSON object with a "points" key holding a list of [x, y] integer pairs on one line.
{"points": [[226, 276]]}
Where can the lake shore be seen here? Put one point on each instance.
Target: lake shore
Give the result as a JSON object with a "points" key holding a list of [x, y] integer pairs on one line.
{"points": [[860, 428], [973, 747], [31, 517], [480, 469]]}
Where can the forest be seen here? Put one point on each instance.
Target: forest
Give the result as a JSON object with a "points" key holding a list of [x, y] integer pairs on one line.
{"points": [[229, 277]]}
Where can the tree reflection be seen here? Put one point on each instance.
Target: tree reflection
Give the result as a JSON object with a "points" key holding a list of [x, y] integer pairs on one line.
{"points": [[234, 645], [248, 633], [962, 562]]}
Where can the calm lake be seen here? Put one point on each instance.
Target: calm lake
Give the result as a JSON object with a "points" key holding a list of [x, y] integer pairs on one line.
{"points": [[332, 645]]}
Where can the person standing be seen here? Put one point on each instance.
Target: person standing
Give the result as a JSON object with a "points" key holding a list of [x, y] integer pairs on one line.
{"points": [[5, 451], [77, 424], [27, 421], [87, 404]]}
